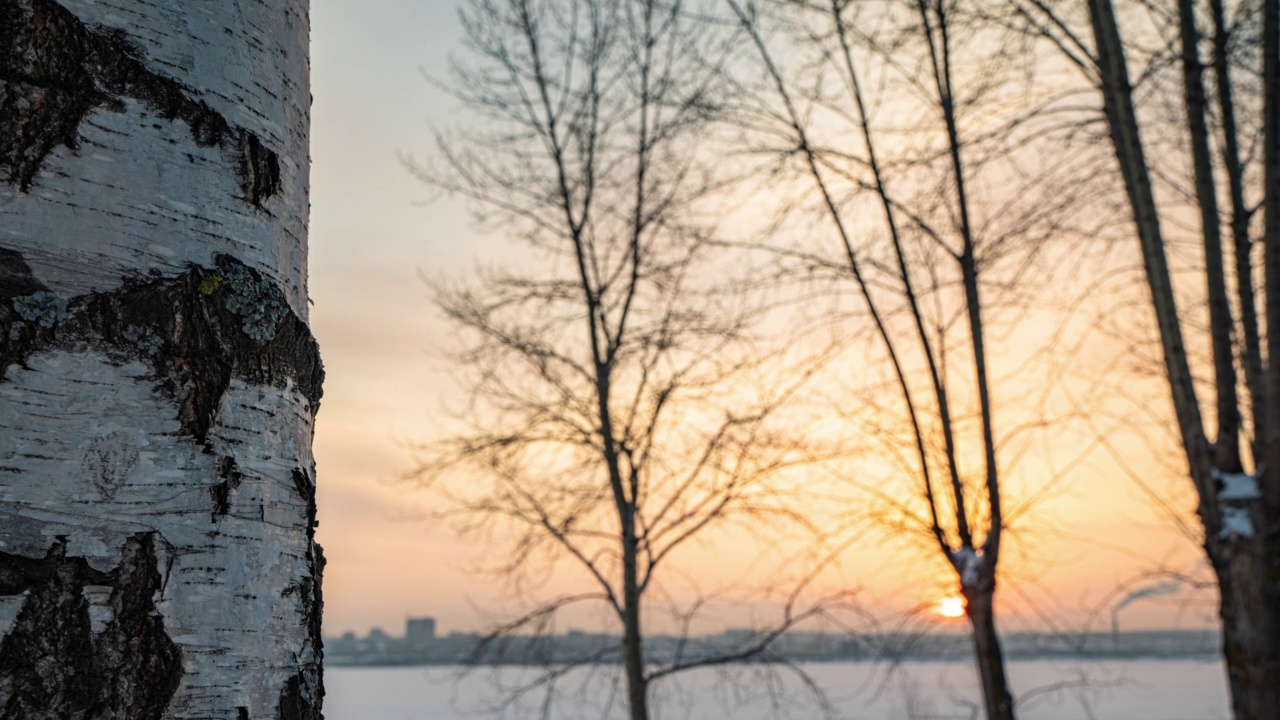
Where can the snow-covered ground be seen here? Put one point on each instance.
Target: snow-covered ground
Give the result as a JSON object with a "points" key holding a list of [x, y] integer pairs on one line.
{"points": [[1048, 690]]}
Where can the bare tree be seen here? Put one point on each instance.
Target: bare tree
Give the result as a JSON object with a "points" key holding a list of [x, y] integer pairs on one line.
{"points": [[158, 381], [623, 407], [958, 119], [1236, 475]]}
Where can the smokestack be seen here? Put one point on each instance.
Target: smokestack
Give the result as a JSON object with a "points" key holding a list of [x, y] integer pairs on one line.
{"points": [[1168, 587]]}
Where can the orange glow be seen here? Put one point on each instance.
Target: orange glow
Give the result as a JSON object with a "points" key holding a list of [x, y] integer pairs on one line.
{"points": [[388, 386], [950, 607]]}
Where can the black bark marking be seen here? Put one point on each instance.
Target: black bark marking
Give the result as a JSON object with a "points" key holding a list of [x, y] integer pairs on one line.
{"points": [[16, 281], [197, 331], [18, 574], [313, 606], [49, 651], [297, 701], [139, 666], [302, 697], [56, 71], [51, 663], [259, 169], [16, 278], [221, 490], [306, 488]]}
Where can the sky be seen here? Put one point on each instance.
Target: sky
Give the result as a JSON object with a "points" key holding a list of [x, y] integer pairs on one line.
{"points": [[374, 237], [370, 240]]}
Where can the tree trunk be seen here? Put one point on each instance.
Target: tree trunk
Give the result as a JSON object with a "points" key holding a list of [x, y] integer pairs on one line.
{"points": [[1122, 123], [1246, 567], [632, 639], [980, 607], [158, 381], [1241, 524]]}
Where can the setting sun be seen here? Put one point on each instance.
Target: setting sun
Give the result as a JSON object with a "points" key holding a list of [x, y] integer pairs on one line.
{"points": [[950, 607]]}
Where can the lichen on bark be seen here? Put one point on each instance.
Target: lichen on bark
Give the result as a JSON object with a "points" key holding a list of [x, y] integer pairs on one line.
{"points": [[55, 71]]}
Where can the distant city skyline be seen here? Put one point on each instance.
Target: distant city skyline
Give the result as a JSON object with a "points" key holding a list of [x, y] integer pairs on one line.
{"points": [[420, 645]]}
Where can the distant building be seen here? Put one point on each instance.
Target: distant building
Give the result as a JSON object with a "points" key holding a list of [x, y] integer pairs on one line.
{"points": [[420, 632]]}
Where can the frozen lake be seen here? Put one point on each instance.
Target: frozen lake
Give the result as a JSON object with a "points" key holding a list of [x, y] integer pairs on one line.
{"points": [[1047, 690]]}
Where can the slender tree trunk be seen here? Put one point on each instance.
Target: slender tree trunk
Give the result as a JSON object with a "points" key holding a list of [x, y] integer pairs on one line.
{"points": [[1270, 431], [980, 607], [633, 649], [158, 381], [625, 506], [980, 595], [1122, 123], [1269, 417], [1226, 451], [1251, 350]]}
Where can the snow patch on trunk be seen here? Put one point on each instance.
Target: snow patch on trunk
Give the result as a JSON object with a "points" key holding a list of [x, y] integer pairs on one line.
{"points": [[969, 563], [1235, 522], [1237, 486], [1235, 492]]}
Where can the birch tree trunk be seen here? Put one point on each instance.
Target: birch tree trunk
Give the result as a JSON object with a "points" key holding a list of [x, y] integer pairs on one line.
{"points": [[158, 381]]}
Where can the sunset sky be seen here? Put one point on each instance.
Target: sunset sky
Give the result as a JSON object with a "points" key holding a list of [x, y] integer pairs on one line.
{"points": [[372, 238]]}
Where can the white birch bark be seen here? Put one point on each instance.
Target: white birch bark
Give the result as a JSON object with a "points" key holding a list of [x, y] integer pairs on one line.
{"points": [[158, 383]]}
